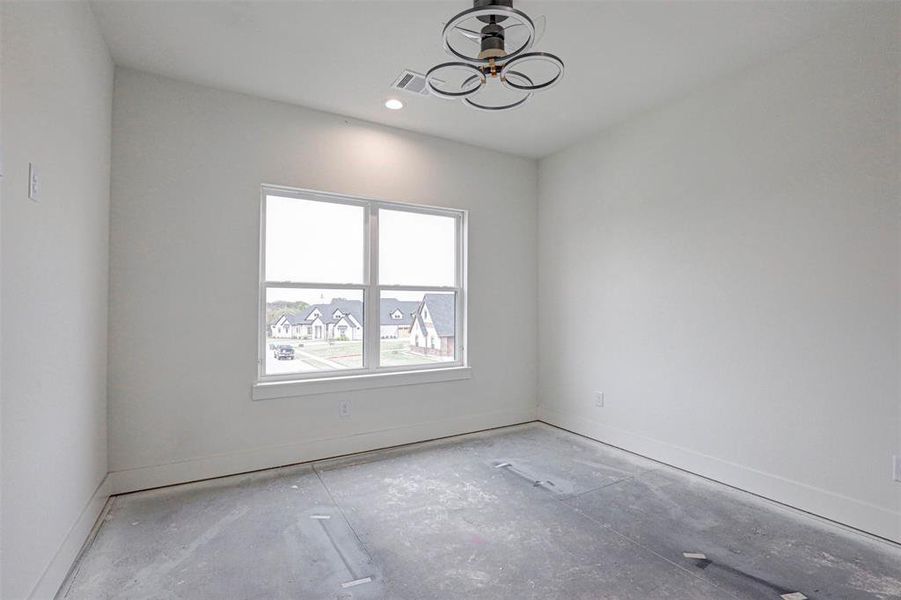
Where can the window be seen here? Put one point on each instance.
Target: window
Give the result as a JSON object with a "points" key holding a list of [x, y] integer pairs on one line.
{"points": [[351, 286]]}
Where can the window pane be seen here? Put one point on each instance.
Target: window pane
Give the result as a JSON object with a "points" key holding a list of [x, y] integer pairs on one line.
{"points": [[416, 249], [417, 328], [309, 241], [313, 330]]}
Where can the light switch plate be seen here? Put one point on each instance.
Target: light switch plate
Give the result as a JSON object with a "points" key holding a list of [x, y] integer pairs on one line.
{"points": [[897, 468], [33, 184]]}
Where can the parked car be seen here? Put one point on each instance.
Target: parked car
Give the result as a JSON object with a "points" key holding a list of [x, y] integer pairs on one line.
{"points": [[283, 353]]}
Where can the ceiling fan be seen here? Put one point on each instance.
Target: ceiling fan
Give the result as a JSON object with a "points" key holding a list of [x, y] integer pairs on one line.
{"points": [[492, 42], [476, 36]]}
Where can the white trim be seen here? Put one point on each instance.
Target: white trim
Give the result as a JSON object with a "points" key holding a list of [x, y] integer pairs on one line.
{"points": [[461, 318], [57, 572], [220, 465], [373, 311], [267, 390], [311, 376], [834, 507], [262, 325], [316, 195], [314, 286], [372, 293], [418, 288]]}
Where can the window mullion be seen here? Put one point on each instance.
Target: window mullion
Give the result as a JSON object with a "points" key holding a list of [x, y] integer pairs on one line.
{"points": [[261, 317], [314, 286], [460, 298], [419, 288], [373, 326]]}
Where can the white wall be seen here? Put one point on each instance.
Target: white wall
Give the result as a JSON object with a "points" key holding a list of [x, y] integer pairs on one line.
{"points": [[57, 82], [736, 257], [188, 162], [2, 173]]}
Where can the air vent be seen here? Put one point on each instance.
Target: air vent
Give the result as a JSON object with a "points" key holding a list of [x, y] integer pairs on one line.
{"points": [[412, 82]]}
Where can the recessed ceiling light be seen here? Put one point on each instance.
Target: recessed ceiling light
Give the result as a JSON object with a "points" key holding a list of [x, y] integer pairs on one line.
{"points": [[394, 104]]}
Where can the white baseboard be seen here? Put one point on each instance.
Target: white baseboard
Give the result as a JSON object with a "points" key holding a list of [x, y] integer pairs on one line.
{"points": [[55, 573], [143, 478], [829, 505]]}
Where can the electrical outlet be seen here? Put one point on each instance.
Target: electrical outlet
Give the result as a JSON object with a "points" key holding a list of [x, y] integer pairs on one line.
{"points": [[599, 399], [344, 408], [898, 467], [33, 187]]}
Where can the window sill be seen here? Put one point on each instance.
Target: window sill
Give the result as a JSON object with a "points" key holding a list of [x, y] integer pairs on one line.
{"points": [[288, 389]]}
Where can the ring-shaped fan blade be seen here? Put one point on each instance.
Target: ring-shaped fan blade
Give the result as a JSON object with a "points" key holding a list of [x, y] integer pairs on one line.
{"points": [[470, 85], [518, 62], [498, 11], [540, 27], [523, 79]]}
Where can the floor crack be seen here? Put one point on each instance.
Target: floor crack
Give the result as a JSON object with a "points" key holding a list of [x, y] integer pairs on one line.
{"points": [[341, 510], [639, 545]]}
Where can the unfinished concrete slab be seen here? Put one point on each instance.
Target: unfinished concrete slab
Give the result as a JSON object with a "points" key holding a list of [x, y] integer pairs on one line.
{"points": [[453, 522], [273, 534], [746, 545], [523, 512]]}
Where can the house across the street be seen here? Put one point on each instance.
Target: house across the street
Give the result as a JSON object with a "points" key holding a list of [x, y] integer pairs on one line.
{"points": [[433, 328], [338, 320], [395, 317], [342, 319]]}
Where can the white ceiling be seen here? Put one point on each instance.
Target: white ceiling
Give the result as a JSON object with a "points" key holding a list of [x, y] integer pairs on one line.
{"points": [[621, 57]]}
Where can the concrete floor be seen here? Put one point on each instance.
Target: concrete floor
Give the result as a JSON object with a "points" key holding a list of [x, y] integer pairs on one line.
{"points": [[522, 512]]}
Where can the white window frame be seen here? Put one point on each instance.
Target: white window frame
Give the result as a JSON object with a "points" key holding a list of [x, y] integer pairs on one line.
{"points": [[266, 385]]}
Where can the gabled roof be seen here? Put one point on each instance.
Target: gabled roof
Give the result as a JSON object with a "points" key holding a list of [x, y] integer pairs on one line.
{"points": [[441, 309], [296, 319], [353, 308], [290, 319], [389, 305]]}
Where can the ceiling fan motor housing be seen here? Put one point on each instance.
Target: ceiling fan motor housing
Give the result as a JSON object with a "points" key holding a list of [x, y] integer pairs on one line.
{"points": [[490, 4], [492, 41], [492, 34]]}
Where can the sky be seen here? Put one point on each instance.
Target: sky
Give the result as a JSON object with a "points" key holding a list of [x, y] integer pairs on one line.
{"points": [[309, 241]]}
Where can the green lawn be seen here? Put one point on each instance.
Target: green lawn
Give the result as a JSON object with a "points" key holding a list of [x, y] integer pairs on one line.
{"points": [[395, 353], [346, 354], [336, 350], [350, 354]]}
